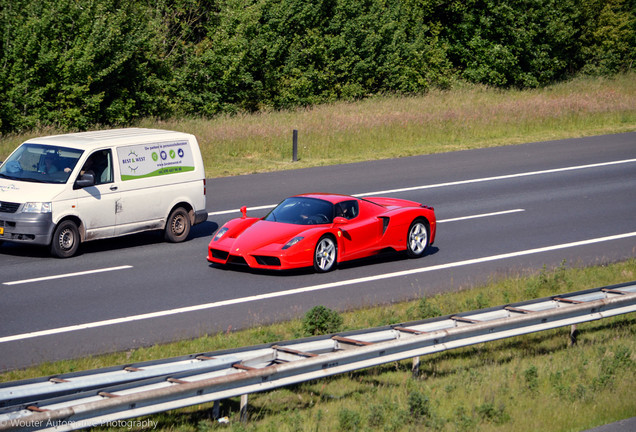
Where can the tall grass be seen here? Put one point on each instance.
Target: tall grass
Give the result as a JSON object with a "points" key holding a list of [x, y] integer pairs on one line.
{"points": [[388, 127], [526, 383]]}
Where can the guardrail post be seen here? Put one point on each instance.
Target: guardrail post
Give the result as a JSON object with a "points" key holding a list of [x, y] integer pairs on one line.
{"points": [[243, 411], [573, 335], [216, 410], [295, 145], [416, 367]]}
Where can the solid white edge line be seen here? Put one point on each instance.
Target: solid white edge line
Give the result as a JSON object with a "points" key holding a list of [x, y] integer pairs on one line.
{"points": [[61, 276], [483, 215], [457, 183], [309, 288]]}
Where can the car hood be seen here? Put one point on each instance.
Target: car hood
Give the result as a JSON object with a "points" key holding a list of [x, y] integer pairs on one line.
{"points": [[264, 233], [21, 191]]}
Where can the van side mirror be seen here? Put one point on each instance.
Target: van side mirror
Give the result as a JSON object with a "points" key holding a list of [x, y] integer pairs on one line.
{"points": [[85, 180]]}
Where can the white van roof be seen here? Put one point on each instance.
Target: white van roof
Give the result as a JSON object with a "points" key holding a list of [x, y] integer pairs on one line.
{"points": [[91, 140]]}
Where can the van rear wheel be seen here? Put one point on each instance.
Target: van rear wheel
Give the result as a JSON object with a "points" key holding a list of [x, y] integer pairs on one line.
{"points": [[177, 226], [66, 240]]}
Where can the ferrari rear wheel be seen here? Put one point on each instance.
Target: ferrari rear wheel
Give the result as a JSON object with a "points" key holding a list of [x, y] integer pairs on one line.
{"points": [[417, 241], [325, 254]]}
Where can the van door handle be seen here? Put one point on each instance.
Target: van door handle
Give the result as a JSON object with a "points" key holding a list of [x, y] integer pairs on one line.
{"points": [[113, 188]]}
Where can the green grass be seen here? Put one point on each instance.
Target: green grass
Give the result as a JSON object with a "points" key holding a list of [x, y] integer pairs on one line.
{"points": [[526, 383], [388, 127]]}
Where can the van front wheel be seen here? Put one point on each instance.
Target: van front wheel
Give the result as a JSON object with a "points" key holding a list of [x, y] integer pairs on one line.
{"points": [[178, 226], [66, 240]]}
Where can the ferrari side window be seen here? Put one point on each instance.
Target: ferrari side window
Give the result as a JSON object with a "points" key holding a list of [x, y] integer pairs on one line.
{"points": [[302, 211], [347, 209]]}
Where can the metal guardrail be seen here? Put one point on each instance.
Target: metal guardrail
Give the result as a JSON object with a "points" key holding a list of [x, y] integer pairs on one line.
{"points": [[84, 399]]}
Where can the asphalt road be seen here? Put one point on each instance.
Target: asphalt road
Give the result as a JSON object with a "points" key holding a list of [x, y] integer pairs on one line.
{"points": [[500, 211]]}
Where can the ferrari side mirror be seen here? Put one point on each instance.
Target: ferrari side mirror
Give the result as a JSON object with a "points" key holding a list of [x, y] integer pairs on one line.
{"points": [[244, 212], [339, 220]]}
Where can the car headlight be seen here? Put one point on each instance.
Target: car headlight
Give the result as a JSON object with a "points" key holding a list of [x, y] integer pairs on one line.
{"points": [[37, 207], [220, 234], [292, 242]]}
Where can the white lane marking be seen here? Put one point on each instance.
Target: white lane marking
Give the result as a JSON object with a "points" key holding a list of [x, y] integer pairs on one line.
{"points": [[480, 215], [266, 296], [82, 273], [460, 182], [61, 276], [237, 210], [503, 177]]}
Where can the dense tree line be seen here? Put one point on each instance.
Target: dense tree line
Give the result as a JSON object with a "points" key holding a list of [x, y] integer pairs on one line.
{"points": [[78, 63]]}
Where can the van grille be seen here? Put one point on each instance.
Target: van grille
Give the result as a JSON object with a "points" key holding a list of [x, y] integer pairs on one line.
{"points": [[8, 207]]}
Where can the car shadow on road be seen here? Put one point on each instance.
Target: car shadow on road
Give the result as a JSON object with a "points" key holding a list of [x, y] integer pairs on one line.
{"points": [[383, 257], [205, 229]]}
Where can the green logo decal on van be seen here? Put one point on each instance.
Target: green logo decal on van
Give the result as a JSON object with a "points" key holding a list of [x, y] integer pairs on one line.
{"points": [[152, 160], [160, 172]]}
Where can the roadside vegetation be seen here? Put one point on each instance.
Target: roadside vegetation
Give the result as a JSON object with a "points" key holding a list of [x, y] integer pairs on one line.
{"points": [[469, 116], [526, 383], [81, 65]]}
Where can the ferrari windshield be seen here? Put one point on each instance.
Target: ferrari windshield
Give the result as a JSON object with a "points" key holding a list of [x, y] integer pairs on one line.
{"points": [[302, 211], [40, 163]]}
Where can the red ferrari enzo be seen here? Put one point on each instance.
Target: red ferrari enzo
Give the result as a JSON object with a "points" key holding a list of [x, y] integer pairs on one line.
{"points": [[323, 230]]}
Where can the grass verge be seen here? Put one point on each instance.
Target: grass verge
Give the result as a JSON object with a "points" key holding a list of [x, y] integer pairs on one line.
{"points": [[466, 117], [526, 383]]}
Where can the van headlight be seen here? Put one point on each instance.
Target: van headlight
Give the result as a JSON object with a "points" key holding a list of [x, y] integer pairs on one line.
{"points": [[37, 207]]}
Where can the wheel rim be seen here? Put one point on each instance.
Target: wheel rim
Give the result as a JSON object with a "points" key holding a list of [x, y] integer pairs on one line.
{"points": [[325, 254], [178, 225], [418, 238], [66, 239]]}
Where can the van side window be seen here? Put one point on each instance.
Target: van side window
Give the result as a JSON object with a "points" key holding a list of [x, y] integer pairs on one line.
{"points": [[100, 165]]}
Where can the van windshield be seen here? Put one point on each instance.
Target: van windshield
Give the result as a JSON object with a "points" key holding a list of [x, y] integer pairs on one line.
{"points": [[40, 163]]}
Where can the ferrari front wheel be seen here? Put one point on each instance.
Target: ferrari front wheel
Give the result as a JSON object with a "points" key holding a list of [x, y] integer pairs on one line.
{"points": [[325, 254], [417, 238]]}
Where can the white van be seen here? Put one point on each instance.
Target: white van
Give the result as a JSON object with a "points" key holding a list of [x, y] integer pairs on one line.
{"points": [[65, 189]]}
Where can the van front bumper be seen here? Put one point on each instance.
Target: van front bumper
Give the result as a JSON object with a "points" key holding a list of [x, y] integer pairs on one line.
{"points": [[32, 228]]}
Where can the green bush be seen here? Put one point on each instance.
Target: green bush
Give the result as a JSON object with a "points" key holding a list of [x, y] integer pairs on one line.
{"points": [[427, 309], [531, 376], [348, 420], [77, 65], [419, 406], [321, 320]]}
